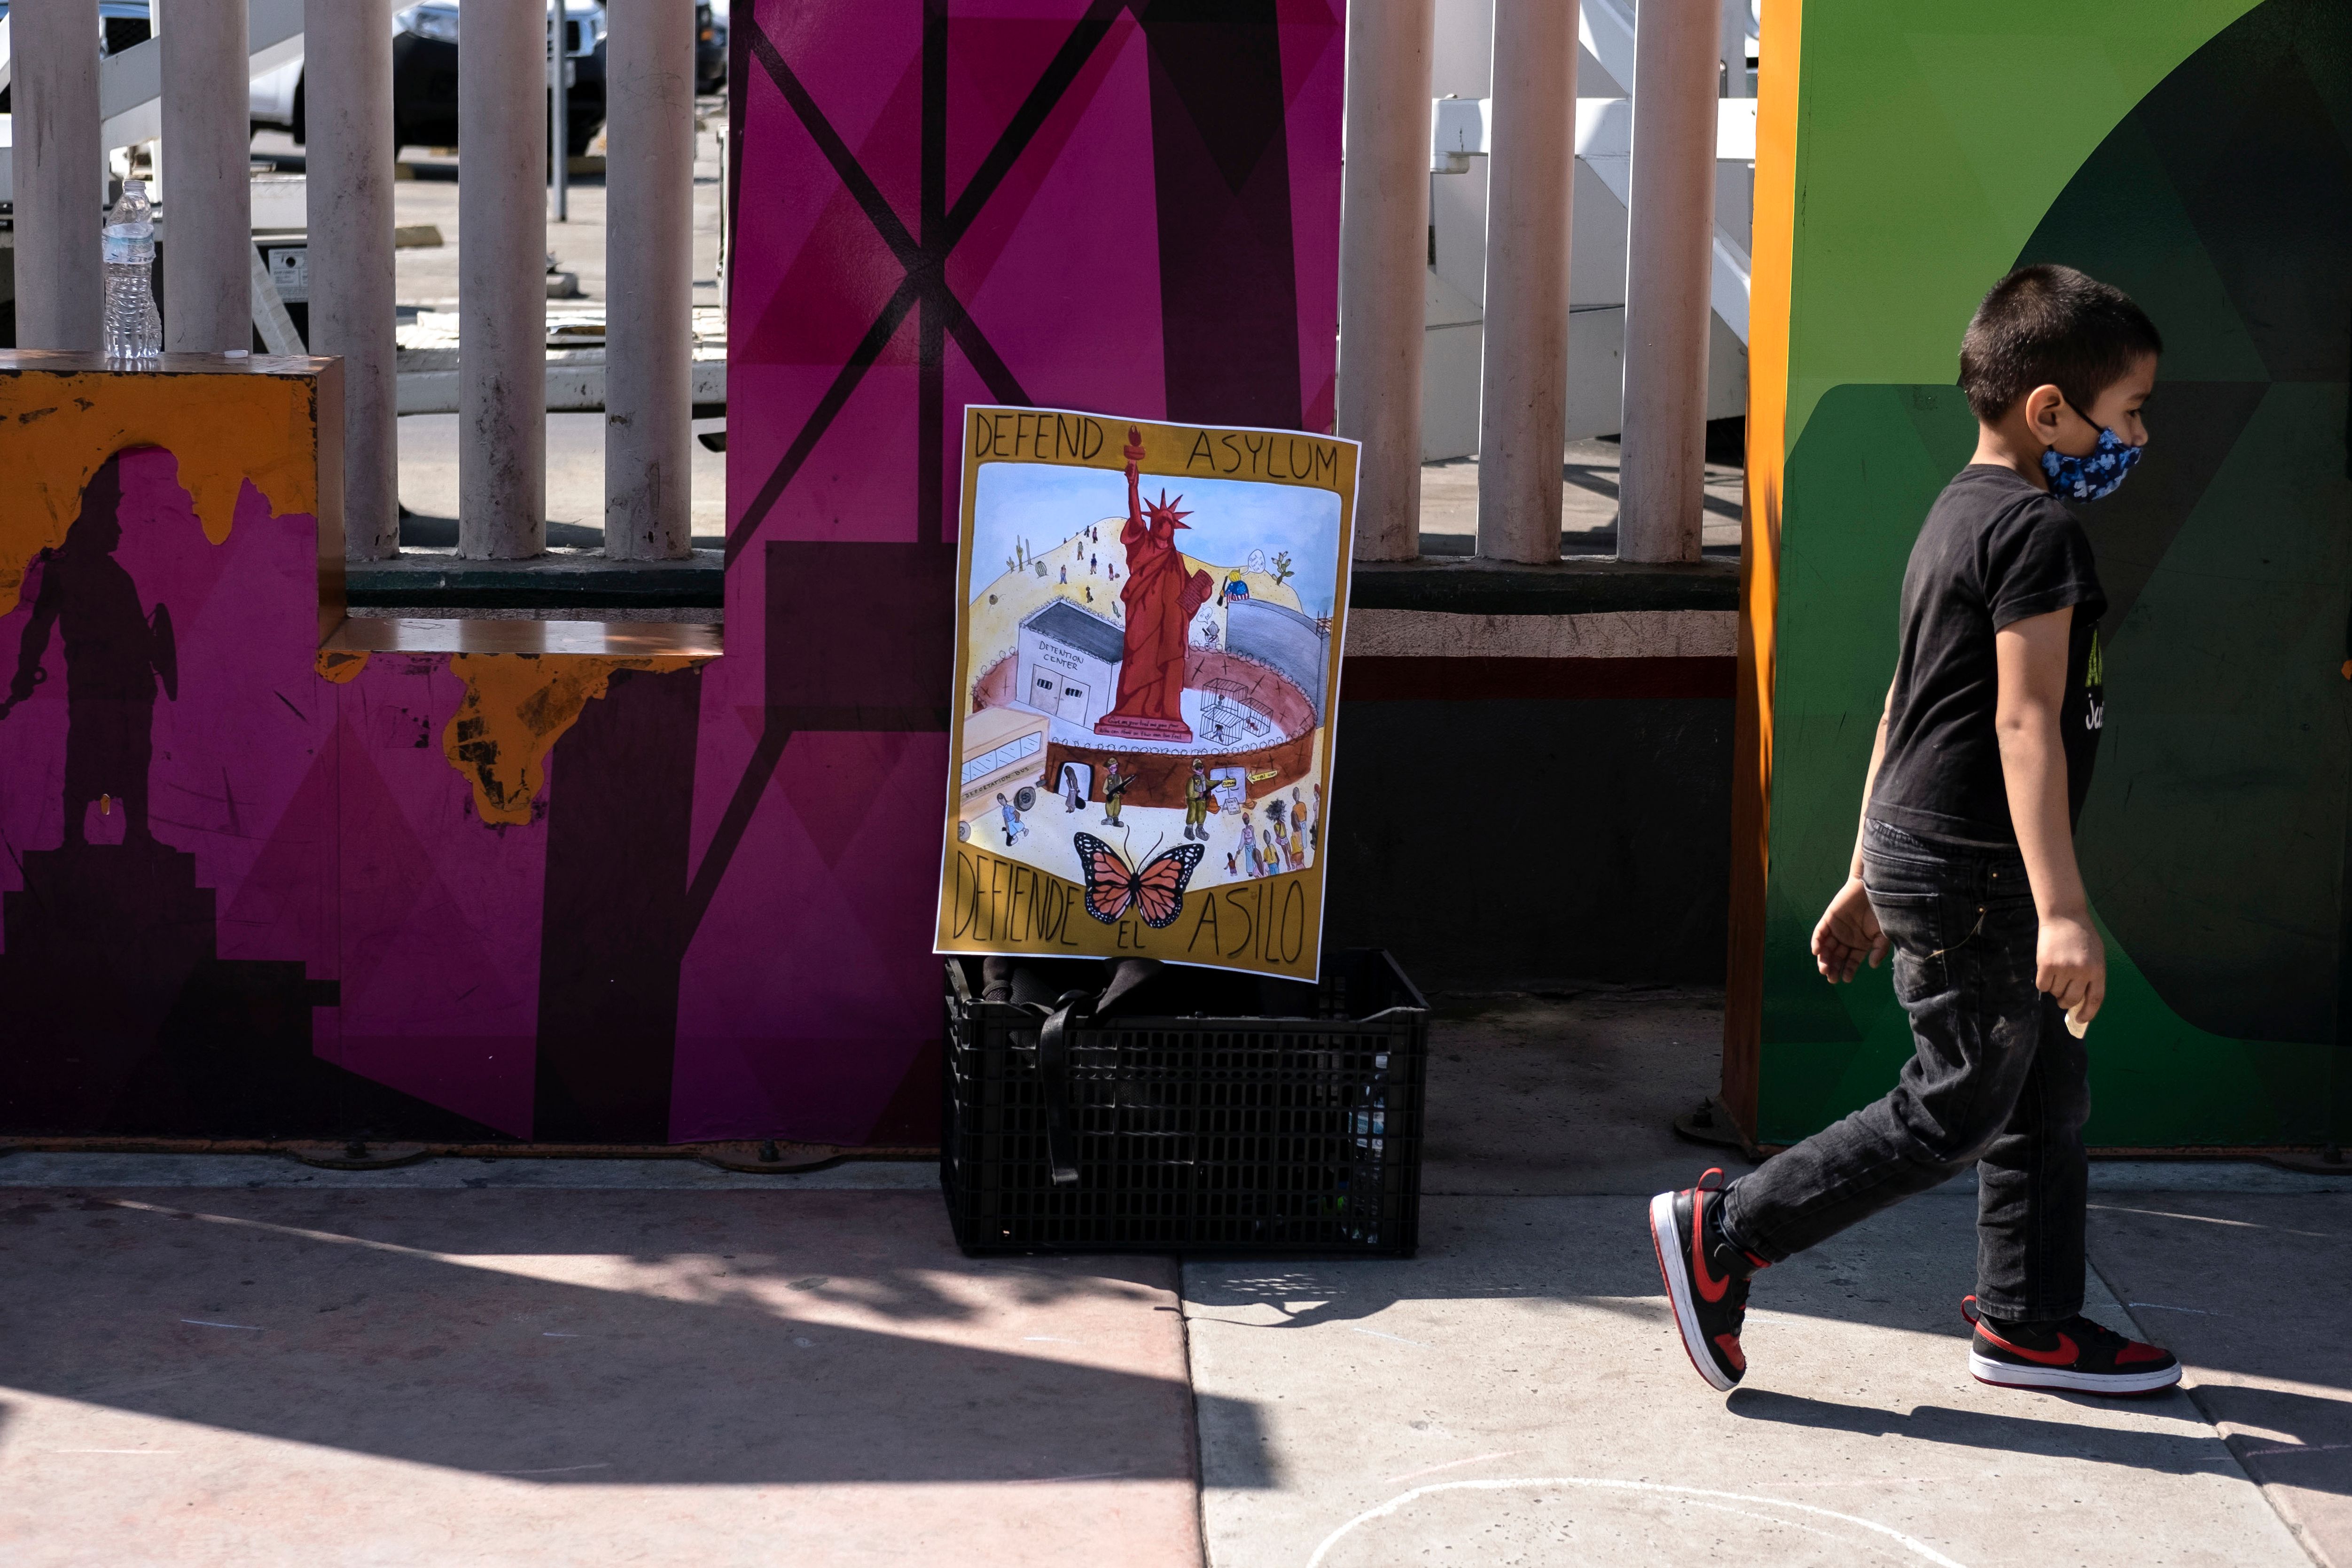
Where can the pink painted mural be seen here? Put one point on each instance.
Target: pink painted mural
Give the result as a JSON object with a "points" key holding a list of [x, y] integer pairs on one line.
{"points": [[434, 883], [1126, 207]]}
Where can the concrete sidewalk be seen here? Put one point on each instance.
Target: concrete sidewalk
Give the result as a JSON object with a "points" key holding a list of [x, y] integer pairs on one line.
{"points": [[2254, 1292], [404, 1377], [1517, 1395], [207, 1359]]}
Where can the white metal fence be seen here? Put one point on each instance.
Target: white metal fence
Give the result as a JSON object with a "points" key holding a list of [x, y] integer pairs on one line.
{"points": [[1656, 152], [189, 88]]}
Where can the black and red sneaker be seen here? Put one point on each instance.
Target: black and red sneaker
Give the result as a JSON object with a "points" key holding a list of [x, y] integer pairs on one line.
{"points": [[2078, 1355], [1707, 1277]]}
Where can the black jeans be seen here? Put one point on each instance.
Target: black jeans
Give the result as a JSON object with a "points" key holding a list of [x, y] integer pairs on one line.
{"points": [[1996, 1081]]}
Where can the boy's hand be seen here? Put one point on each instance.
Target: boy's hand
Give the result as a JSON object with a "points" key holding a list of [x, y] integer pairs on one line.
{"points": [[1848, 933], [2070, 962]]}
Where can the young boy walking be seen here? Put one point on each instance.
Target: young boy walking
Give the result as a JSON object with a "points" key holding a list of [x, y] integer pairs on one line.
{"points": [[1964, 869]]}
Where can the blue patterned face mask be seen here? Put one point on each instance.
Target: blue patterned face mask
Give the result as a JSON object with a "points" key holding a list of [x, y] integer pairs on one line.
{"points": [[2093, 477]]}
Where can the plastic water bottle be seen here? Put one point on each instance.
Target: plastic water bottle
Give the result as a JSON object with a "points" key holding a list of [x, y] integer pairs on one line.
{"points": [[135, 331]]}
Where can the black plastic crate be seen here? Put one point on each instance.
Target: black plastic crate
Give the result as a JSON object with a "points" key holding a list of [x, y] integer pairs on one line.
{"points": [[1281, 1136]]}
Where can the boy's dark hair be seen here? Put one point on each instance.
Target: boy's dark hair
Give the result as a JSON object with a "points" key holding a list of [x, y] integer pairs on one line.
{"points": [[2049, 324]]}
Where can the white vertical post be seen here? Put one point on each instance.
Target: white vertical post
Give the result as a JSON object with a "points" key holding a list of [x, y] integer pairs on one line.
{"points": [[60, 174], [1523, 387], [503, 281], [1384, 257], [347, 106], [558, 110], [726, 206], [208, 205], [1670, 258], [649, 279]]}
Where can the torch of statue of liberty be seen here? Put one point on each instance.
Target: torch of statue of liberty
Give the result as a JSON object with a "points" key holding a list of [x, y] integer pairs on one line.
{"points": [[1160, 598]]}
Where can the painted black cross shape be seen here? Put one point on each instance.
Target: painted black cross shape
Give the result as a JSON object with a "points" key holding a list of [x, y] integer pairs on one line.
{"points": [[924, 254]]}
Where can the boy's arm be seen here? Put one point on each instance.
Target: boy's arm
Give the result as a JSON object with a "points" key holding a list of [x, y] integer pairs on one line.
{"points": [[2070, 961], [1849, 930]]}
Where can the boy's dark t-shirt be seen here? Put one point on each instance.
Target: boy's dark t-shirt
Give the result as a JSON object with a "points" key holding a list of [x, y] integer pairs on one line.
{"points": [[1995, 549]]}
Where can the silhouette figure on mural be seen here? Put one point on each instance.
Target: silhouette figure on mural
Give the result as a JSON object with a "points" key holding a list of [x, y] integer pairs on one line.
{"points": [[1161, 599], [114, 656], [122, 1017]]}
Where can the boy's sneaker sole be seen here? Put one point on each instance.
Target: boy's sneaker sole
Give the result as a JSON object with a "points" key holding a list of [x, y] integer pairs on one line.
{"points": [[1667, 1237], [2009, 1375]]}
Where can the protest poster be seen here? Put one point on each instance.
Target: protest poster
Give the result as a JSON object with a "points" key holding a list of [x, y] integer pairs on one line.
{"points": [[1147, 670]]}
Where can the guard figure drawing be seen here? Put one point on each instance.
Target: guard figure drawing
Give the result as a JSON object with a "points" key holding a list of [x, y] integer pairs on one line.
{"points": [[114, 656], [1115, 788]]}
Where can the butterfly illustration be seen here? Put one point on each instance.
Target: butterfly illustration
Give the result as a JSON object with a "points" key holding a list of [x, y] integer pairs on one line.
{"points": [[1156, 892]]}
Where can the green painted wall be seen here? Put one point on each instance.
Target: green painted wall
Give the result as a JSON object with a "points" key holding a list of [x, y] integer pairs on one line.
{"points": [[1931, 138], [2199, 155]]}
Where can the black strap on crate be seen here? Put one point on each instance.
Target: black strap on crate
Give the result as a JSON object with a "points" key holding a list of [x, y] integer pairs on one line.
{"points": [[1053, 1071], [1129, 987]]}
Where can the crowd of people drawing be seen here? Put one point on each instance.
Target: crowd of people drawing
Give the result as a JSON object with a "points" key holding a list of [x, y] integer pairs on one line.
{"points": [[1277, 834]]}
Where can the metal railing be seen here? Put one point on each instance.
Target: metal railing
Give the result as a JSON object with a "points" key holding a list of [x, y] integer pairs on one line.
{"points": [[201, 56]]}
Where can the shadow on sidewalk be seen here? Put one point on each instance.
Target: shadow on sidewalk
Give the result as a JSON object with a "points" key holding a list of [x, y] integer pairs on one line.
{"points": [[1904, 1268], [2253, 1287], [686, 1339], [2182, 1453]]}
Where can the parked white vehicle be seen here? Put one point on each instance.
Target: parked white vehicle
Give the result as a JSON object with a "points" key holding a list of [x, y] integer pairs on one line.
{"points": [[424, 75], [425, 89], [277, 95]]}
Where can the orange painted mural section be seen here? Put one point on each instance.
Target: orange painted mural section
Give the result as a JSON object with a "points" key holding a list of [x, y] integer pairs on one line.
{"points": [[1771, 286], [55, 431], [516, 707]]}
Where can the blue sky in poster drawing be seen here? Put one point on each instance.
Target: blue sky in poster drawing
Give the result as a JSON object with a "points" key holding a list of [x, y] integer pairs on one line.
{"points": [[1045, 503]]}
